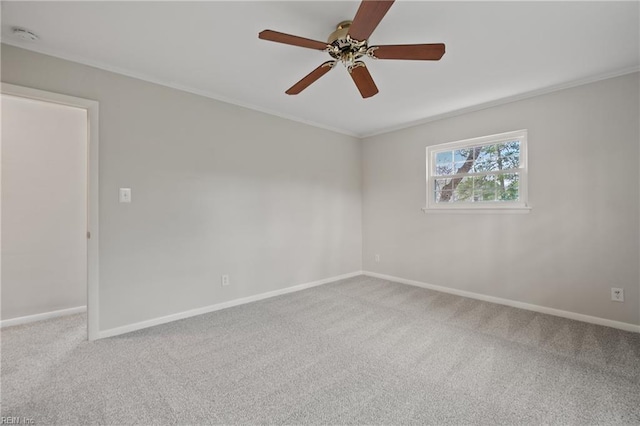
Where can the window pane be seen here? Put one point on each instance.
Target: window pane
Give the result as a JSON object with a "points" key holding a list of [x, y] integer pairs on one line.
{"points": [[444, 170], [482, 162], [509, 155], [440, 184], [508, 186], [443, 196], [444, 163], [497, 157], [463, 189], [487, 159], [487, 152], [489, 196], [477, 159], [444, 157], [484, 188], [464, 154], [463, 167]]}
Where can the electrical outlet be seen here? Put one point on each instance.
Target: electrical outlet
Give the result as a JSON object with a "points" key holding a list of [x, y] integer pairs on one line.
{"points": [[225, 280], [617, 294], [377, 257]]}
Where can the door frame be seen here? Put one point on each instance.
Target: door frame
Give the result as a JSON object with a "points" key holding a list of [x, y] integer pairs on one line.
{"points": [[91, 107]]}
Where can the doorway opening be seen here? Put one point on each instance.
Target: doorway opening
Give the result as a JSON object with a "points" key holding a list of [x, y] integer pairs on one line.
{"points": [[49, 207]]}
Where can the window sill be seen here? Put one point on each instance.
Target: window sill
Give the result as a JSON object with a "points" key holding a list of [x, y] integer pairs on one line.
{"points": [[478, 210]]}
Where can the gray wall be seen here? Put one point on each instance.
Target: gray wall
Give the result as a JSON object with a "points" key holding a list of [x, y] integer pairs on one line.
{"points": [[221, 189], [217, 189], [44, 176], [580, 239]]}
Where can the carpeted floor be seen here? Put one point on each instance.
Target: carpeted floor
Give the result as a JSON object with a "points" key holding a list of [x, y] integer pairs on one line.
{"points": [[361, 350]]}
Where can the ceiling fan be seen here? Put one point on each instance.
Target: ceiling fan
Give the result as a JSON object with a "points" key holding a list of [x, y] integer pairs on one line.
{"points": [[349, 44]]}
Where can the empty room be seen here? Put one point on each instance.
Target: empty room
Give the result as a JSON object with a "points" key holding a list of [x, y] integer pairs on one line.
{"points": [[320, 212]]}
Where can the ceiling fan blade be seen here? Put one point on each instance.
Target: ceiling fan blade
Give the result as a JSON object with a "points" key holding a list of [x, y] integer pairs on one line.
{"points": [[419, 52], [291, 39], [368, 16], [363, 80], [311, 78]]}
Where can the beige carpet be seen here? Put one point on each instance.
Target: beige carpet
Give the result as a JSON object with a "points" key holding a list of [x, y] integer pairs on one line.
{"points": [[358, 351]]}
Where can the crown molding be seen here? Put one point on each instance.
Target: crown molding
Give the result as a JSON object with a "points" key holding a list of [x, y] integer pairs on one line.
{"points": [[205, 93], [211, 95], [507, 100]]}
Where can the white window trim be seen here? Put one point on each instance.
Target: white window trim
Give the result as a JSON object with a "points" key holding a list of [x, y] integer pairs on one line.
{"points": [[520, 206]]}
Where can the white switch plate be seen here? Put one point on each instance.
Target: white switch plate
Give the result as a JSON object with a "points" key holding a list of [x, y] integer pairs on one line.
{"points": [[377, 257], [125, 195], [225, 280], [617, 294]]}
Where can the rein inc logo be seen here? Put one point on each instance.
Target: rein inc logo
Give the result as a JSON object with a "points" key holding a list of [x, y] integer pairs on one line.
{"points": [[16, 421]]}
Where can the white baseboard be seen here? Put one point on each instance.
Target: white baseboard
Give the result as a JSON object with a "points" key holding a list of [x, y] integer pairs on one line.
{"points": [[218, 306], [39, 317], [515, 304]]}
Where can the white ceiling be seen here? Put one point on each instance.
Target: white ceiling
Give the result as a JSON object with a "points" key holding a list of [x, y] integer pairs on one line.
{"points": [[495, 50]]}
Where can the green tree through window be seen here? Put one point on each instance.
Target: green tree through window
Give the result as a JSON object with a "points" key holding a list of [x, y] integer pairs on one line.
{"points": [[489, 172]]}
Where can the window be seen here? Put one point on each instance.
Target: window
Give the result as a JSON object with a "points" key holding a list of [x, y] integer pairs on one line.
{"points": [[489, 172]]}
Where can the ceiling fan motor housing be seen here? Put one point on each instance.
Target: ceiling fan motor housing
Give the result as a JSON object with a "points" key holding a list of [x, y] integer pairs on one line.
{"points": [[344, 48], [340, 33]]}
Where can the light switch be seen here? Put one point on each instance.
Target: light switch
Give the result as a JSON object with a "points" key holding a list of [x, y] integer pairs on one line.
{"points": [[125, 195]]}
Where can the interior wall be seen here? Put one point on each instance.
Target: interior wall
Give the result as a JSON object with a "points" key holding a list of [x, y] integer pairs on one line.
{"points": [[582, 235], [216, 189], [44, 249]]}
